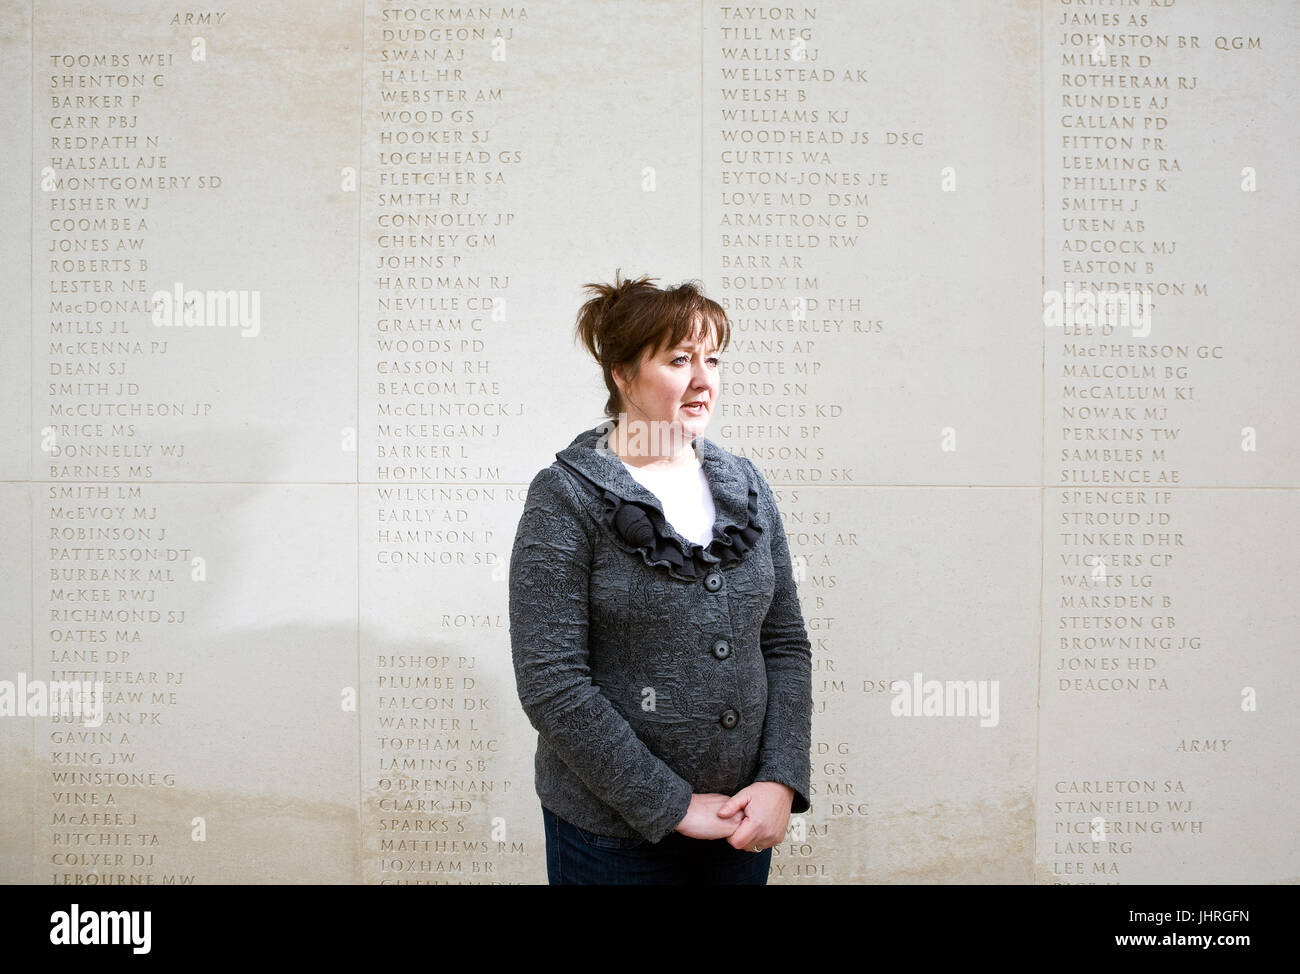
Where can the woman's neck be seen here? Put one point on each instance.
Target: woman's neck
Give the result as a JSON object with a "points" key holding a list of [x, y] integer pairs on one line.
{"points": [[665, 452]]}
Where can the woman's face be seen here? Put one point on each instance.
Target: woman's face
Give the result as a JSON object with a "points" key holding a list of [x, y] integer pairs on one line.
{"points": [[675, 389]]}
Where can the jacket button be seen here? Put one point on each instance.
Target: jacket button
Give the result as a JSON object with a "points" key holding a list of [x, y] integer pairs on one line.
{"points": [[729, 719], [721, 650], [713, 581]]}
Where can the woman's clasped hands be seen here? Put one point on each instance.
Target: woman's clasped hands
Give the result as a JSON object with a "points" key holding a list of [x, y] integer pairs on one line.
{"points": [[754, 818]]}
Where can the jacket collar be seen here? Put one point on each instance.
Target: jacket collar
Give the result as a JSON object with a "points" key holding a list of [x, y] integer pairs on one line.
{"points": [[728, 476]]}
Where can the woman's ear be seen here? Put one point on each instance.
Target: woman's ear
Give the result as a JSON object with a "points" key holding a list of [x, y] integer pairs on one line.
{"points": [[620, 373]]}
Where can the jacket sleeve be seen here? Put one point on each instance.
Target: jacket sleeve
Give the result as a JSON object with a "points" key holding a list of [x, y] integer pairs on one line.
{"points": [[787, 655], [550, 566]]}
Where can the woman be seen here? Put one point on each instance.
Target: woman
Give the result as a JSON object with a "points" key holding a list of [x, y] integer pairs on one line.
{"points": [[658, 644]]}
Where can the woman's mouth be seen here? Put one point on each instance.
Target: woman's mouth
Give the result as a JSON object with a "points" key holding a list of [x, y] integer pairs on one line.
{"points": [[695, 408]]}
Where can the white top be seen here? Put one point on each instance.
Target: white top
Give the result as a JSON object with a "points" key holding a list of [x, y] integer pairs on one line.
{"points": [[684, 495]]}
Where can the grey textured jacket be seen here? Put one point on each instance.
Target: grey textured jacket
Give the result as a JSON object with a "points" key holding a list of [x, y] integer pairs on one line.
{"points": [[652, 667]]}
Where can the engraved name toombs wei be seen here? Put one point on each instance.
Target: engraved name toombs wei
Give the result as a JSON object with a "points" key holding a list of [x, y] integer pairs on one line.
{"points": [[208, 309]]}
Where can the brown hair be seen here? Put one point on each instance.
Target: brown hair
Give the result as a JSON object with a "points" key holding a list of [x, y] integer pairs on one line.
{"points": [[623, 319]]}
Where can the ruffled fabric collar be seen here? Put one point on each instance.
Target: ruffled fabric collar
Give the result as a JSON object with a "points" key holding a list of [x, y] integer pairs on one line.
{"points": [[637, 518]]}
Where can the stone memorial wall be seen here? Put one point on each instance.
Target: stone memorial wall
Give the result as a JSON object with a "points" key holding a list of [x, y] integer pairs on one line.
{"points": [[289, 303]]}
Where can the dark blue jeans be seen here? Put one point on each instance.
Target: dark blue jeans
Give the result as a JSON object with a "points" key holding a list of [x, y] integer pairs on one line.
{"points": [[575, 856]]}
